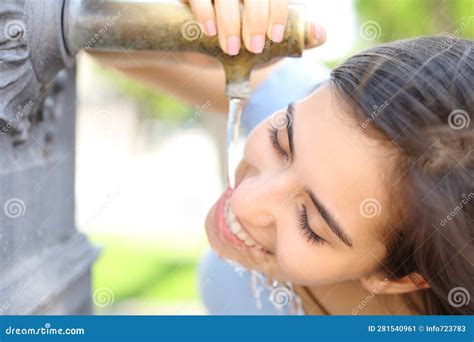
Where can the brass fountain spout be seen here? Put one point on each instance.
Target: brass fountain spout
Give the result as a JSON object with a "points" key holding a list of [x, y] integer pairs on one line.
{"points": [[170, 26]]}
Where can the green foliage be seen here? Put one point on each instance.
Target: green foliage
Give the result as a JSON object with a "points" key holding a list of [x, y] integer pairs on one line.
{"points": [[143, 269], [410, 18]]}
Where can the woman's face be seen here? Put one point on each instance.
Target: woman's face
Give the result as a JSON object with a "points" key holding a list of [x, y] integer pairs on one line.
{"points": [[310, 202]]}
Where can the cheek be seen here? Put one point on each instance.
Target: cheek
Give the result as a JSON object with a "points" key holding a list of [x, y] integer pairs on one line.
{"points": [[308, 264], [299, 260]]}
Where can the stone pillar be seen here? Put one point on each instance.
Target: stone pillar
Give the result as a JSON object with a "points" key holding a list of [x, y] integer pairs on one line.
{"points": [[44, 261]]}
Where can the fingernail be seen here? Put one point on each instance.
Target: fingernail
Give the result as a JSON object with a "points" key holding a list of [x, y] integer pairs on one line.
{"points": [[318, 31], [211, 28], [233, 45], [257, 43], [277, 32]]}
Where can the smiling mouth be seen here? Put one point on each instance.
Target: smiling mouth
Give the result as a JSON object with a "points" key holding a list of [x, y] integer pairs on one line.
{"points": [[232, 229]]}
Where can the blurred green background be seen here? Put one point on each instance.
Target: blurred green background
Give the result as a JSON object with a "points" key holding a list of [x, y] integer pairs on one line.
{"points": [[411, 18], [143, 270]]}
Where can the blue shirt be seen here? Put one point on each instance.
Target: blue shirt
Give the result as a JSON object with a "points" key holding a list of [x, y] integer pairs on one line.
{"points": [[293, 80]]}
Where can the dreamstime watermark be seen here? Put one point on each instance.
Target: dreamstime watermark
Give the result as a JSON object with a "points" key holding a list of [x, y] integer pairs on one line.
{"points": [[14, 208], [192, 208], [109, 199], [22, 111], [287, 201], [281, 120], [459, 296], [370, 207], [14, 30], [281, 297], [368, 298], [370, 30], [103, 119], [192, 30], [101, 33], [459, 119], [199, 110], [203, 284], [15, 297], [103, 297], [46, 330], [376, 112], [465, 200], [453, 37]]}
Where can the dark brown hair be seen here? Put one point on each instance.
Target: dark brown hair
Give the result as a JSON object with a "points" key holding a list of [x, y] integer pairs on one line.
{"points": [[424, 90]]}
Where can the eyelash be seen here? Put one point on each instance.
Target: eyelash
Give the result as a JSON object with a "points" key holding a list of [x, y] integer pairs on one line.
{"points": [[273, 136], [308, 233], [311, 236]]}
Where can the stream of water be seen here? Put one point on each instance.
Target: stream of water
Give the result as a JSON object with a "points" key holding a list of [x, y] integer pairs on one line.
{"points": [[233, 135], [281, 294]]}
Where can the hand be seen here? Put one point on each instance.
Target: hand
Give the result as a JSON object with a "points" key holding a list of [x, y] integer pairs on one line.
{"points": [[260, 18]]}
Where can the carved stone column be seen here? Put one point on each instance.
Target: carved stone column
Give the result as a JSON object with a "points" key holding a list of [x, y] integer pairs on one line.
{"points": [[44, 261]]}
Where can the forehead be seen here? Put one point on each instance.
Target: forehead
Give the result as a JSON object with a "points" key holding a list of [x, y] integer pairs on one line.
{"points": [[346, 170]]}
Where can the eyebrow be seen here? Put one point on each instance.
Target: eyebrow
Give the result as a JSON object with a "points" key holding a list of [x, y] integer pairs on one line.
{"points": [[331, 222], [328, 218]]}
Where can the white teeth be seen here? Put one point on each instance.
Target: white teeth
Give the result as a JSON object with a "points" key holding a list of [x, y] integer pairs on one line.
{"points": [[242, 235], [234, 227], [237, 229], [230, 214]]}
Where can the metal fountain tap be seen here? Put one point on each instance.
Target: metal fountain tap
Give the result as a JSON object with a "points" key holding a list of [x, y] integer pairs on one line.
{"points": [[170, 26]]}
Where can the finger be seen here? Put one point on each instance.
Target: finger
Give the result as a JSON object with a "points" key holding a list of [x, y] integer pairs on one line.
{"points": [[254, 24], [315, 36], [204, 13], [278, 18], [228, 23]]}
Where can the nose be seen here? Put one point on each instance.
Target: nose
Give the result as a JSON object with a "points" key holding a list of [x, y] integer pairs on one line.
{"points": [[260, 195]]}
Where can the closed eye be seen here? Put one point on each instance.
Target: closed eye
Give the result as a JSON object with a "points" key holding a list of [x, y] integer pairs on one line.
{"points": [[308, 232], [273, 136]]}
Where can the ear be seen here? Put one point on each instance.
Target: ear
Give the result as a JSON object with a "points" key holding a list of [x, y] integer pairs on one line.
{"points": [[377, 283]]}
